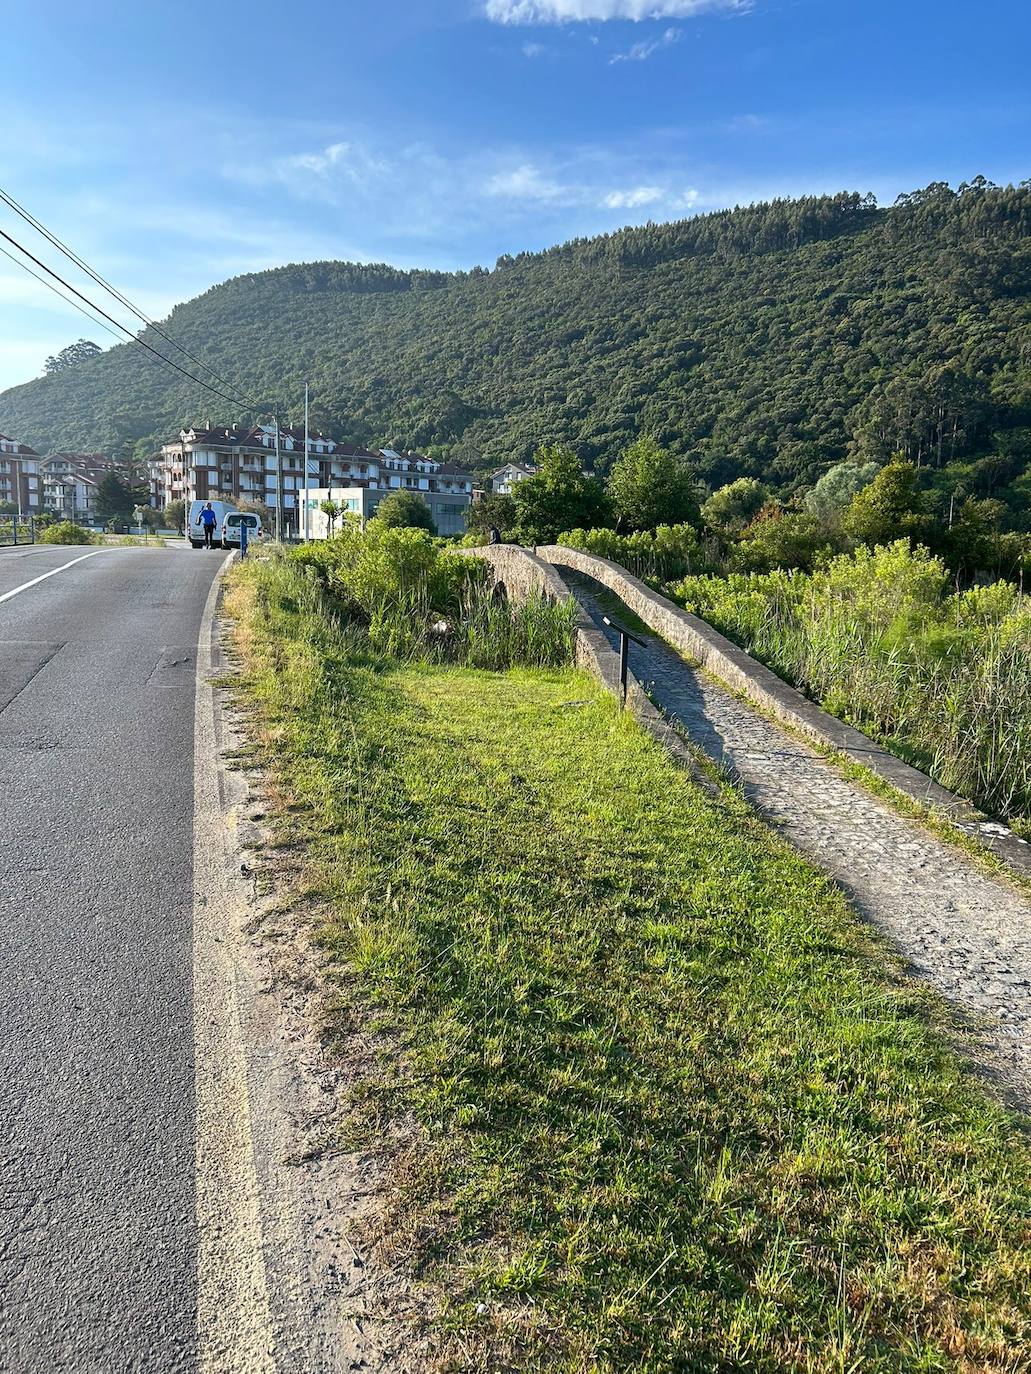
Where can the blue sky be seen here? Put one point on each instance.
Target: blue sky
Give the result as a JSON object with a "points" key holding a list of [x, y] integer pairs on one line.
{"points": [[176, 143]]}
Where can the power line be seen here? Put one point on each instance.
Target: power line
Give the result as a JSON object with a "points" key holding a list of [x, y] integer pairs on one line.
{"points": [[133, 338], [50, 287], [113, 290]]}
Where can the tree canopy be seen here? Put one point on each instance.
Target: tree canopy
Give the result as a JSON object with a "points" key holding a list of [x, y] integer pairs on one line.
{"points": [[649, 487], [559, 496], [71, 356], [405, 509]]}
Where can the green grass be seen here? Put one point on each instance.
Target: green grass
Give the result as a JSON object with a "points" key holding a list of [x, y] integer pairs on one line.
{"points": [[656, 1100]]}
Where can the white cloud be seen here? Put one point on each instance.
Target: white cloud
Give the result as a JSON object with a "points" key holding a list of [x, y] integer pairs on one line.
{"points": [[640, 52], [532, 50], [634, 198], [345, 159], [580, 11], [746, 123], [526, 182]]}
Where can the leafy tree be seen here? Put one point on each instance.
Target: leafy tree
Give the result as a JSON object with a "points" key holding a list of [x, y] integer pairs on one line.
{"points": [[115, 499], [496, 510], [778, 539], [972, 541], [733, 506], [891, 507], [649, 487], [405, 509], [175, 514], [559, 496], [330, 510], [71, 356], [832, 494]]}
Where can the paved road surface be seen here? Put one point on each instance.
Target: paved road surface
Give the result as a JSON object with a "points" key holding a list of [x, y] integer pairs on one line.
{"points": [[97, 1206], [966, 934]]}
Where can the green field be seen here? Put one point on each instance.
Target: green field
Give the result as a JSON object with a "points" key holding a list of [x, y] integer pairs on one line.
{"points": [[656, 1099]]}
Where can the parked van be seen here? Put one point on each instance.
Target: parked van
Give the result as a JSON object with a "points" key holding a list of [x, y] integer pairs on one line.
{"points": [[194, 528], [231, 528]]}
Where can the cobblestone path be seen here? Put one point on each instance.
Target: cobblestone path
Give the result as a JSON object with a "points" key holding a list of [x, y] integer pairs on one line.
{"points": [[966, 934]]}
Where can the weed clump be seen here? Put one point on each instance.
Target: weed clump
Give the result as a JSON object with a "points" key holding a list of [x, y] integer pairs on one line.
{"points": [[401, 594]]}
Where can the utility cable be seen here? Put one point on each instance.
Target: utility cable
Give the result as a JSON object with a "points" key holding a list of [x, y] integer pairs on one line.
{"points": [[50, 287], [133, 338], [113, 290]]}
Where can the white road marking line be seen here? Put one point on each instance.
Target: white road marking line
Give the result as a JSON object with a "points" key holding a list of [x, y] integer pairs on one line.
{"points": [[52, 573], [234, 1324]]}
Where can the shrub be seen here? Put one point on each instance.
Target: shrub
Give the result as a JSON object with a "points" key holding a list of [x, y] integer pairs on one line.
{"points": [[673, 551], [405, 508], [67, 532], [407, 596], [879, 640]]}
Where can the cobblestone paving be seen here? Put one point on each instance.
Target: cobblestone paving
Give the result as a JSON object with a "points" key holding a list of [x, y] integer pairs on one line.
{"points": [[966, 934]]}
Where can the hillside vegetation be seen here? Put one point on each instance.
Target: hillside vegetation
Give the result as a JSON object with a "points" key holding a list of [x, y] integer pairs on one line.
{"points": [[770, 341]]}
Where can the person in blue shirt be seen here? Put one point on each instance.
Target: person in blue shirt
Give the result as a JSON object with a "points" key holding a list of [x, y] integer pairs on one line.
{"points": [[209, 520]]}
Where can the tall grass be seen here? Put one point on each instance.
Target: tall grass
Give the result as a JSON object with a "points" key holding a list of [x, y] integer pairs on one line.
{"points": [[395, 593], [879, 640], [670, 552]]}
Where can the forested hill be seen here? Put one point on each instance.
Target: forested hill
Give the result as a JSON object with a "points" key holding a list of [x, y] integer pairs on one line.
{"points": [[767, 341]]}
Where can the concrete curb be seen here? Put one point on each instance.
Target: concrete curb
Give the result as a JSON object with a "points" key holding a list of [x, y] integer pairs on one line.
{"points": [[721, 658]]}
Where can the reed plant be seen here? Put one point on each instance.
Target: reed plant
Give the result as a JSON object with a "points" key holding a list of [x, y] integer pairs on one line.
{"points": [[881, 640], [396, 594]]}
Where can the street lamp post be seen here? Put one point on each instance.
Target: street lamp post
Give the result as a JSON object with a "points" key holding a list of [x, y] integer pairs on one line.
{"points": [[304, 529], [279, 483]]}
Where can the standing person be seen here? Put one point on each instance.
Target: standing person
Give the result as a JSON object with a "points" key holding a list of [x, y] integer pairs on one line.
{"points": [[209, 520]]}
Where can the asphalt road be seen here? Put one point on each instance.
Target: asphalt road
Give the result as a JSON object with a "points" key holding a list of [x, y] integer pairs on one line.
{"points": [[97, 1137]]}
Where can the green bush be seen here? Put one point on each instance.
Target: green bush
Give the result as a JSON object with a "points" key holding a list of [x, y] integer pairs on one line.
{"points": [[408, 596], [67, 532], [672, 551], [879, 639]]}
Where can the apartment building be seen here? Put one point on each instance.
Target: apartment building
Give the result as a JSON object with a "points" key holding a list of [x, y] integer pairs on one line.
{"points": [[71, 494], [20, 484], [237, 463], [503, 480]]}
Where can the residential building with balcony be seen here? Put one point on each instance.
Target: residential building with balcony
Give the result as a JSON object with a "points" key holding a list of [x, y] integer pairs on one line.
{"points": [[70, 493], [233, 463], [503, 480], [20, 484]]}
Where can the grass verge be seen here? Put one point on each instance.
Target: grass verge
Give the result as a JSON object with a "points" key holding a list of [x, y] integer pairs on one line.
{"points": [[670, 1107]]}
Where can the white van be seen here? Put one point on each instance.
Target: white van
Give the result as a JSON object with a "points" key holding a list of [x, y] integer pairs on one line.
{"points": [[194, 528], [231, 528]]}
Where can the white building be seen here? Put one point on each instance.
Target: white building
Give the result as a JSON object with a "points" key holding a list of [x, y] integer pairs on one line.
{"points": [[71, 494], [447, 508], [504, 479], [237, 464]]}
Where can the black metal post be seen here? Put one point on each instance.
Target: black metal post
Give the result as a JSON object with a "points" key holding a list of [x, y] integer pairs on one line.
{"points": [[624, 654]]}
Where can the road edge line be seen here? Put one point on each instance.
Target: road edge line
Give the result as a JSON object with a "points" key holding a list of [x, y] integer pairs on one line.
{"points": [[234, 1322]]}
